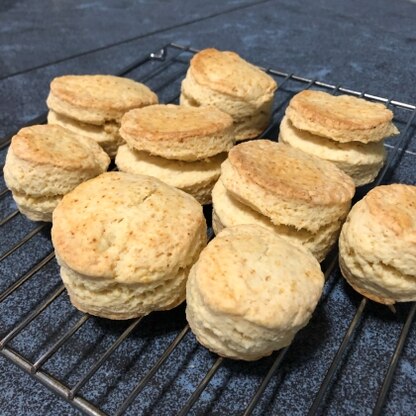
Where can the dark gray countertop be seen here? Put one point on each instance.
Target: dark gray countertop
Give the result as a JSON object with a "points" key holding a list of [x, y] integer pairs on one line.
{"points": [[367, 46]]}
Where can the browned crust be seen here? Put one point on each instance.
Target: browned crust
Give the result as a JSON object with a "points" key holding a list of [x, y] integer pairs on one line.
{"points": [[394, 206], [285, 171], [55, 146], [340, 112], [174, 122], [106, 92], [227, 73]]}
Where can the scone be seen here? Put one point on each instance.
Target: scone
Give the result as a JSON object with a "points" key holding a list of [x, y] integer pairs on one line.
{"points": [[345, 130], [126, 243], [177, 132], [182, 146], [250, 292], [361, 161], [377, 244], [195, 178], [342, 118], [93, 105], [228, 212], [45, 162], [224, 80], [291, 189]]}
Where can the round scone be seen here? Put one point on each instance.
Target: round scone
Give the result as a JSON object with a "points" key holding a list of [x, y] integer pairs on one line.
{"points": [[250, 292], [226, 81], [195, 178], [359, 160], [377, 244], [45, 162], [228, 212], [178, 132], [286, 185], [126, 243], [341, 118], [94, 104]]}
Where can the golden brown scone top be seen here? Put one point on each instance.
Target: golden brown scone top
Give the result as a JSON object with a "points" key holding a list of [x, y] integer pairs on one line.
{"points": [[341, 112], [102, 92], [227, 73], [56, 146], [160, 122], [394, 206], [286, 171], [130, 228]]}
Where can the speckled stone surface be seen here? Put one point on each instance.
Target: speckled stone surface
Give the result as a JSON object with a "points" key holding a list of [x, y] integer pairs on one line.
{"points": [[367, 46]]}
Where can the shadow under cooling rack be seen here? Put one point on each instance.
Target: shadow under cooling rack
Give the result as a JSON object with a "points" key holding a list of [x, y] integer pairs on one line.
{"points": [[353, 357]]}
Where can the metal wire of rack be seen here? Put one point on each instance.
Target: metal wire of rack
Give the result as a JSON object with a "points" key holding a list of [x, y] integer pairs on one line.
{"points": [[164, 348]]}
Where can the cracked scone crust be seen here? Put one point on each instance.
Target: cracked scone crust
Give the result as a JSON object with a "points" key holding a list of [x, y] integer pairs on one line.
{"points": [[195, 178], [286, 185], [229, 212], [378, 244], [45, 162], [178, 132], [361, 161], [125, 244], [95, 99], [341, 118], [250, 292]]}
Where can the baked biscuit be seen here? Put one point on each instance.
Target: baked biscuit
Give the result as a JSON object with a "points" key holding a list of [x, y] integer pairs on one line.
{"points": [[44, 163], [340, 118], [195, 178], [178, 132], [125, 244], [228, 82], [229, 212], [286, 185], [378, 244], [250, 292], [361, 161], [94, 105]]}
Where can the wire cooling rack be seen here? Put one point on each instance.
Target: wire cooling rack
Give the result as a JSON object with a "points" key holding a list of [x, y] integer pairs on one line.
{"points": [[354, 357]]}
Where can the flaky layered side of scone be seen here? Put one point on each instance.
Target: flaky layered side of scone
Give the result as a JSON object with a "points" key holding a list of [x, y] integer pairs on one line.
{"points": [[177, 132], [94, 105], [195, 178], [286, 185], [125, 244], [45, 162], [229, 212], [341, 118], [250, 292], [106, 135], [378, 244], [224, 80], [361, 161]]}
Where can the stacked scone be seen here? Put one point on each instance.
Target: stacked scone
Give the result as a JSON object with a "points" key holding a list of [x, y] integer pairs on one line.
{"points": [[126, 243], [92, 105], [45, 162], [300, 197], [182, 146], [345, 130], [377, 245], [250, 292], [228, 82]]}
